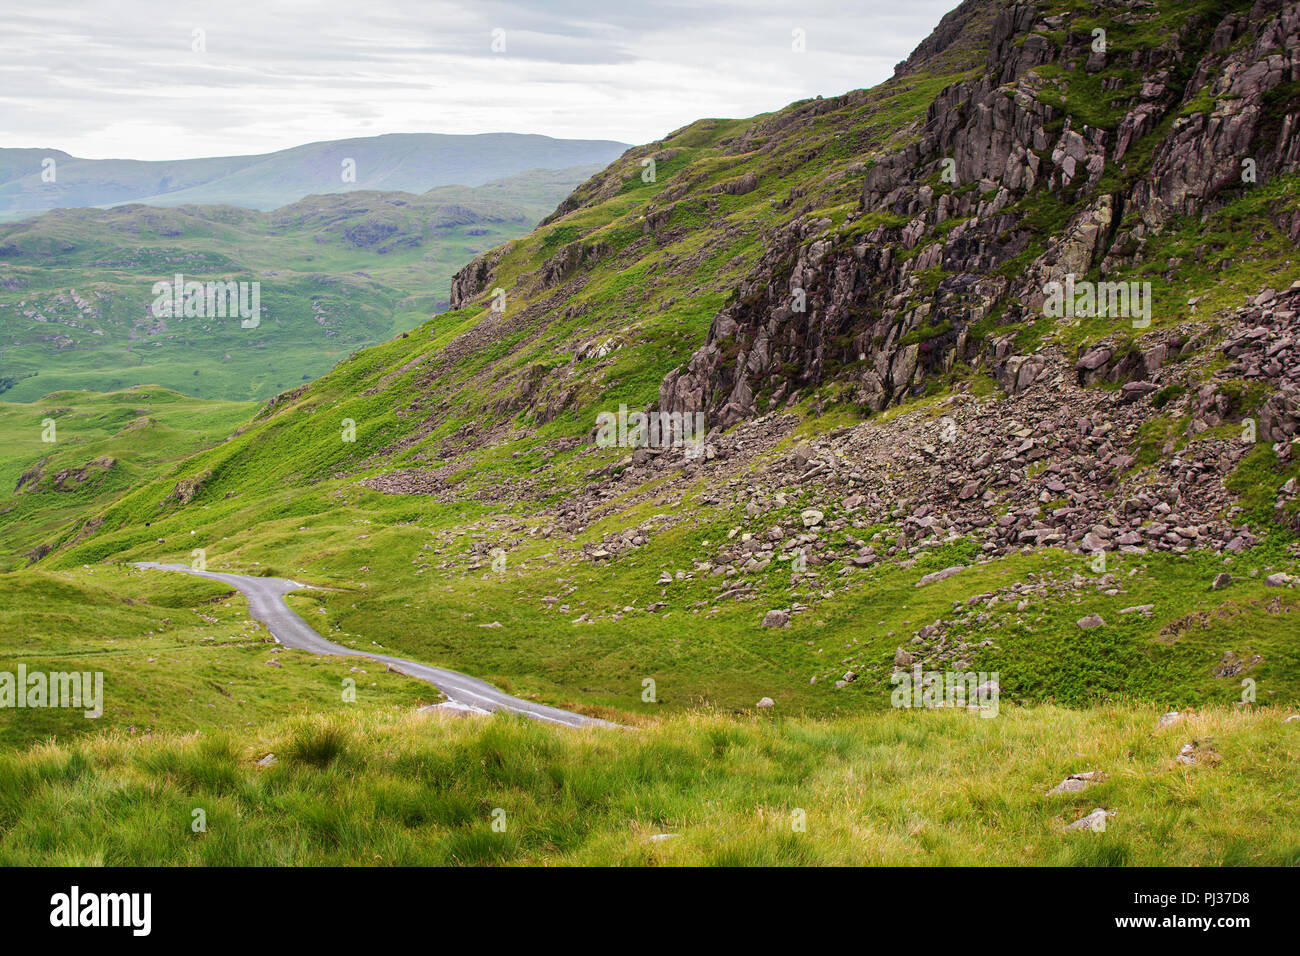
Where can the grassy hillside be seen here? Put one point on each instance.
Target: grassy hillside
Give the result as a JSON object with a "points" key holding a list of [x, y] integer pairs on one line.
{"points": [[99, 447], [177, 654], [584, 635], [336, 273], [474, 432], [938, 788]]}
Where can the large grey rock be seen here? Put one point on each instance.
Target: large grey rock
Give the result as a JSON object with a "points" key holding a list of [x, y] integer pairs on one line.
{"points": [[943, 575], [1077, 782], [811, 517]]}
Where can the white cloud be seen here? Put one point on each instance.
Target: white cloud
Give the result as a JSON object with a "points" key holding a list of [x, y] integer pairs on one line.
{"points": [[121, 80]]}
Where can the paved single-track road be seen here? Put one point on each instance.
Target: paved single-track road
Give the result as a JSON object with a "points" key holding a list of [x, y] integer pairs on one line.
{"points": [[266, 603]]}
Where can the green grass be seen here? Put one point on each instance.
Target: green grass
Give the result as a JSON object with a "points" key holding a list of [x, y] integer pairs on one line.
{"points": [[498, 408], [413, 574], [144, 432], [177, 654], [899, 788]]}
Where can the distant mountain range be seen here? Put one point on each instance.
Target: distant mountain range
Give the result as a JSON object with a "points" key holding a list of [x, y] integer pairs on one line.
{"points": [[409, 162]]}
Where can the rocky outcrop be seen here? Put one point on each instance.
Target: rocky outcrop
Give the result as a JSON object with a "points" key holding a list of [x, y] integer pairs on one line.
{"points": [[569, 259], [1253, 117], [70, 479], [32, 476], [884, 309], [956, 25], [1059, 461], [187, 488], [476, 277]]}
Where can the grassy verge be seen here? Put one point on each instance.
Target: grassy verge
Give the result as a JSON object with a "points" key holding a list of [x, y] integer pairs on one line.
{"points": [[177, 654], [906, 787]]}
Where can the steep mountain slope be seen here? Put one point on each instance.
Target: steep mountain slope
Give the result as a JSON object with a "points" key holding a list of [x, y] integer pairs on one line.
{"points": [[911, 460], [401, 162], [336, 272]]}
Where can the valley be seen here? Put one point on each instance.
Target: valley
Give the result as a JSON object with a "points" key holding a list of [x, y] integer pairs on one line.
{"points": [[335, 273], [915, 459]]}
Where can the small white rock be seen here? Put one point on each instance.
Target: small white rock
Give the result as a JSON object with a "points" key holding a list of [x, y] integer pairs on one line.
{"points": [[1095, 821]]}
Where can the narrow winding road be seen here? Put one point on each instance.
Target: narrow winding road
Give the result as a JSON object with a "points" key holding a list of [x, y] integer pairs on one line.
{"points": [[266, 603]]}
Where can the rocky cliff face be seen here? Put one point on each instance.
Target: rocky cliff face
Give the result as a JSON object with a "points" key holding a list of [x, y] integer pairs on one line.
{"points": [[474, 278], [961, 245], [854, 253]]}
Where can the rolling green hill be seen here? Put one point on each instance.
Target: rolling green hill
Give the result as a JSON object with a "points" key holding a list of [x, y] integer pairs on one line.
{"points": [[74, 453], [336, 273]]}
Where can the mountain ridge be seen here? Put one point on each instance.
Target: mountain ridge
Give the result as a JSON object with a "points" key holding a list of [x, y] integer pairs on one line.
{"points": [[413, 162]]}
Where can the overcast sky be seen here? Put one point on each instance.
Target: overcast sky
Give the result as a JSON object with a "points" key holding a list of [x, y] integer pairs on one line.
{"points": [[121, 79]]}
